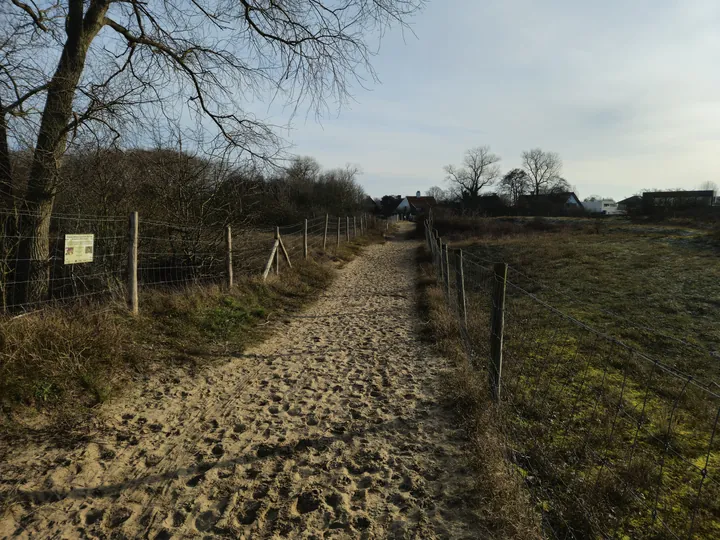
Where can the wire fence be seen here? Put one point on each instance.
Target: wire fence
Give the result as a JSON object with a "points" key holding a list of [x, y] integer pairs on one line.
{"points": [[167, 254], [610, 440]]}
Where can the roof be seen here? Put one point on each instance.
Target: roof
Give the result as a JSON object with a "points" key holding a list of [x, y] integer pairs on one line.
{"points": [[550, 198], [634, 198], [490, 201], [421, 202], [678, 194], [369, 200]]}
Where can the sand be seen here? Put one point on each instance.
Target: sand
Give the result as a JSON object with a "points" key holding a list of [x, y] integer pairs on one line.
{"points": [[330, 429]]}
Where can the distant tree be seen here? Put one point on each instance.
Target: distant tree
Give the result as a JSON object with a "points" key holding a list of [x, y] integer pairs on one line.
{"points": [[543, 169], [479, 170], [438, 193], [514, 184], [389, 203], [557, 184], [709, 186], [87, 69], [303, 169], [592, 198]]}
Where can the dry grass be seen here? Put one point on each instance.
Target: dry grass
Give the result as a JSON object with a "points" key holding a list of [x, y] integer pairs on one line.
{"points": [[605, 439], [58, 364], [503, 505]]}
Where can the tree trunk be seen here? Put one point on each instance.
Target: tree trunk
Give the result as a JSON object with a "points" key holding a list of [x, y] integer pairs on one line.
{"points": [[33, 267]]}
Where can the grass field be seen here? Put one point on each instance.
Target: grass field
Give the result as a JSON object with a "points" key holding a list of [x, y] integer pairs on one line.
{"points": [[610, 369]]}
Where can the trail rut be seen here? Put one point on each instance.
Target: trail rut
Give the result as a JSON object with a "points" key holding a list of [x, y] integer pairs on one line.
{"points": [[330, 429]]}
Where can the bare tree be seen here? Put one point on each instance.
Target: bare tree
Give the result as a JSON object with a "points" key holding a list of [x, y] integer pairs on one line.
{"points": [[74, 69], [543, 168], [709, 186], [514, 184], [438, 193], [479, 170]]}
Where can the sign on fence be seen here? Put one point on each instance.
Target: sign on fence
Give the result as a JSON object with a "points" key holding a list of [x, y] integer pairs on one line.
{"points": [[79, 248]]}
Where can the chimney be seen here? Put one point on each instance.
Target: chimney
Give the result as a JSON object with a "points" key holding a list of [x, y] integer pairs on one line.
{"points": [[417, 194]]}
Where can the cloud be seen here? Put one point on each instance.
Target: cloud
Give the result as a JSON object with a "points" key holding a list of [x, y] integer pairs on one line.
{"points": [[626, 92]]}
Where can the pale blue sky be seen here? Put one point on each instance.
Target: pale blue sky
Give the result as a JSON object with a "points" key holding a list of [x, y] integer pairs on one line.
{"points": [[627, 92]]}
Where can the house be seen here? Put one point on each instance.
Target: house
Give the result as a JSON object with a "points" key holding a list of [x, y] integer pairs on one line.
{"points": [[550, 204], [677, 199], [630, 204], [415, 205], [370, 205], [602, 206]]}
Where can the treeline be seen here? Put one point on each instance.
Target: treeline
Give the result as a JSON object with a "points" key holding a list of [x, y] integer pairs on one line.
{"points": [[184, 188], [478, 178]]}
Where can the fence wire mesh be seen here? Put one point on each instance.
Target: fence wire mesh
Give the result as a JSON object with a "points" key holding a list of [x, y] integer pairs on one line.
{"points": [[611, 440], [168, 255], [21, 268]]}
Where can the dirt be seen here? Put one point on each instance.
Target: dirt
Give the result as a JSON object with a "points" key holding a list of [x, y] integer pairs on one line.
{"points": [[330, 429]]}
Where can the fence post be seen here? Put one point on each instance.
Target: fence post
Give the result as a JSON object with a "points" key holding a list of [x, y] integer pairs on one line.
{"points": [[327, 219], [496, 332], [228, 257], [354, 227], [132, 285], [460, 285], [347, 227], [277, 253], [305, 247], [436, 250], [440, 258], [447, 270], [338, 233]]}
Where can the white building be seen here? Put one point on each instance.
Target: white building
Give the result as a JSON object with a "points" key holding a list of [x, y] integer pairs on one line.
{"points": [[603, 206], [415, 205]]}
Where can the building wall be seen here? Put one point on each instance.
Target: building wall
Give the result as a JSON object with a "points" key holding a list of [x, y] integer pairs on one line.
{"points": [[607, 206], [403, 207]]}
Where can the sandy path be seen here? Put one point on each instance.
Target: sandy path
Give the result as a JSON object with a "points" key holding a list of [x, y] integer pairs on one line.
{"points": [[328, 430]]}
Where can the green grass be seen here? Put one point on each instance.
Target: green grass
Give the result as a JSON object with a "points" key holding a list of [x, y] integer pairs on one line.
{"points": [[609, 443]]}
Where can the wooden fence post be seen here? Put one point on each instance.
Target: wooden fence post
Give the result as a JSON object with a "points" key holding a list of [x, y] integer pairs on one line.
{"points": [[497, 329], [268, 266], [436, 243], [338, 233], [354, 227], [132, 284], [447, 270], [460, 286], [440, 258], [347, 227], [277, 251], [228, 257], [305, 247], [327, 220]]}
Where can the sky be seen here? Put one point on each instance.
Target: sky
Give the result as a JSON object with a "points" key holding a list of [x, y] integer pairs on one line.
{"points": [[627, 92]]}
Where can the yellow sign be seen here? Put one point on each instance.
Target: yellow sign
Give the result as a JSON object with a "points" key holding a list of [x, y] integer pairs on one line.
{"points": [[79, 248]]}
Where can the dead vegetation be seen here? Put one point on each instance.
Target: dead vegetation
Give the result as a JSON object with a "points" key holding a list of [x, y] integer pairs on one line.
{"points": [[59, 363], [502, 503], [609, 370]]}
